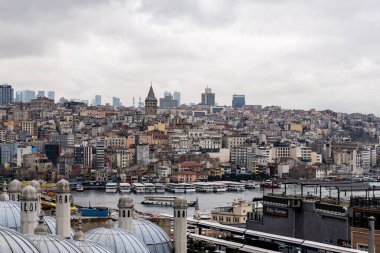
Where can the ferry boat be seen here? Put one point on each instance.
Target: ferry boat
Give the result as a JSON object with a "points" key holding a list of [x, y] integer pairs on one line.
{"points": [[163, 201], [251, 185], [204, 187], [149, 188], [79, 188], [160, 188], [124, 187], [189, 188], [175, 188], [234, 186], [270, 185], [111, 187], [138, 188], [219, 187]]}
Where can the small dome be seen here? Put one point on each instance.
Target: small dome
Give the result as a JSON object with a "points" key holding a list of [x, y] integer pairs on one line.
{"points": [[180, 202], [117, 240], [51, 226], [63, 186], [12, 241], [4, 195], [125, 201], [10, 215], [91, 247], [14, 186], [154, 237], [29, 193], [35, 184], [53, 244]]}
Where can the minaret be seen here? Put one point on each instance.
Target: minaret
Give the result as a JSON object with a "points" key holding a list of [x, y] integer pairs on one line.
{"points": [[37, 186], [180, 225], [4, 195], [196, 212], [125, 206], [28, 212], [41, 227], [79, 235], [63, 202], [14, 190]]}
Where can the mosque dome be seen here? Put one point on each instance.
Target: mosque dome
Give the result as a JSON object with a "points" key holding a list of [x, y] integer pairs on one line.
{"points": [[10, 215], [4, 195], [125, 201], [14, 186], [35, 184], [10, 218], [50, 222], [91, 247], [53, 243], [180, 202], [63, 186], [154, 237], [118, 240], [12, 241], [28, 193]]}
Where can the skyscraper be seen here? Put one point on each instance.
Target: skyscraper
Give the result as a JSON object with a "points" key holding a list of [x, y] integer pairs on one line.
{"points": [[116, 101], [18, 96], [51, 95], [208, 98], [238, 101], [6, 94], [98, 100], [27, 96], [167, 101], [41, 93], [177, 96]]}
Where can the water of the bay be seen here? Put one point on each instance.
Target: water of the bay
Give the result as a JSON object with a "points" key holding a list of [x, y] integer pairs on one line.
{"points": [[207, 201]]}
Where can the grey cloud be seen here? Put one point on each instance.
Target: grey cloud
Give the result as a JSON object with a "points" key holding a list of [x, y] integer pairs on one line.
{"points": [[302, 54]]}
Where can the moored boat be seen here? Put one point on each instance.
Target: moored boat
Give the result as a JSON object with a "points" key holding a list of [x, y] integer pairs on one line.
{"points": [[124, 187], [162, 201], [111, 187], [79, 188]]}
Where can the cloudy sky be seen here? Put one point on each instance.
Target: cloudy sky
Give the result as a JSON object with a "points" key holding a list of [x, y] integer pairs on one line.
{"points": [[296, 54]]}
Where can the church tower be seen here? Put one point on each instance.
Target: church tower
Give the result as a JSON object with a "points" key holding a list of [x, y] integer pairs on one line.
{"points": [[151, 103]]}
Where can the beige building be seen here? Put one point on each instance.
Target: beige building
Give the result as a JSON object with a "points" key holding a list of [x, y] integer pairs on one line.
{"points": [[235, 214]]}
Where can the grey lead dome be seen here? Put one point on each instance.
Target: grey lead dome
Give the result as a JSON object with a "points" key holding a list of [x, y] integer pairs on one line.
{"points": [[28, 193], [180, 202], [12, 241], [91, 247], [125, 201], [63, 186], [153, 236], [14, 186], [118, 240], [53, 244], [35, 184]]}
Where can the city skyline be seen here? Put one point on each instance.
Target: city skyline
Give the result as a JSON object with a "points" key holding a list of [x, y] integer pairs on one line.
{"points": [[287, 53]]}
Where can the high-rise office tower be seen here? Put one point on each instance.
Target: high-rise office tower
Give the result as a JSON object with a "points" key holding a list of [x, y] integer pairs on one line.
{"points": [[116, 101], [238, 101], [18, 96], [27, 96], [177, 96], [51, 95], [6, 94], [41, 93], [98, 100], [167, 101], [208, 98]]}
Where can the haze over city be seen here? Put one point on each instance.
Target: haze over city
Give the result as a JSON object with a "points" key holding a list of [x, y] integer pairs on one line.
{"points": [[296, 54]]}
